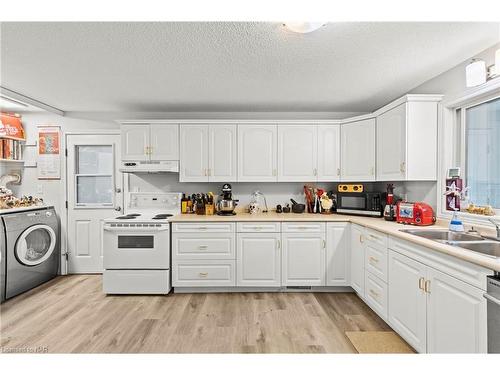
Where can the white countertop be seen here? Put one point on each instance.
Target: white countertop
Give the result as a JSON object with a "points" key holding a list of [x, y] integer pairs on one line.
{"points": [[379, 224]]}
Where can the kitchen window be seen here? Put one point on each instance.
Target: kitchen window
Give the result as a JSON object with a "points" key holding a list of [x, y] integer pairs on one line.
{"points": [[477, 134]]}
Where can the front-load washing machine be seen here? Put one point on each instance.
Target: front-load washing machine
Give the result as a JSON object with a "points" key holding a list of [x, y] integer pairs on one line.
{"points": [[2, 261], [32, 244]]}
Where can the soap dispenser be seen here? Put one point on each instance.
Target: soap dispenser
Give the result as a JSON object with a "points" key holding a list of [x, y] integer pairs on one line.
{"points": [[456, 224]]}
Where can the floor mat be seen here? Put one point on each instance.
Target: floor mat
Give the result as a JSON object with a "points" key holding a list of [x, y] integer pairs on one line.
{"points": [[378, 342]]}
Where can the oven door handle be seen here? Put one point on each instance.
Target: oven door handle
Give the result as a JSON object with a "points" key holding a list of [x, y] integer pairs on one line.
{"points": [[490, 298], [135, 229]]}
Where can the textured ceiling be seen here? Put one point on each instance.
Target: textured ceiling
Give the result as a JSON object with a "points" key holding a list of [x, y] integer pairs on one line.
{"points": [[219, 66]]}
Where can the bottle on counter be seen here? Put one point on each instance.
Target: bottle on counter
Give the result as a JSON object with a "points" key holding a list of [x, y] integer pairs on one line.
{"points": [[184, 204]]}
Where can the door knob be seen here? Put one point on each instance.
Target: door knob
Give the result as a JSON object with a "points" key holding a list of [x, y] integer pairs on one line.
{"points": [[118, 208], [118, 190]]}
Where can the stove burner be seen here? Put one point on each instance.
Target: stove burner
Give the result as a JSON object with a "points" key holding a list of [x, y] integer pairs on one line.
{"points": [[161, 216], [125, 217]]}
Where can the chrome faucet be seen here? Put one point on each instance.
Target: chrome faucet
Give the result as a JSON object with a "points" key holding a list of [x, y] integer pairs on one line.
{"points": [[497, 226]]}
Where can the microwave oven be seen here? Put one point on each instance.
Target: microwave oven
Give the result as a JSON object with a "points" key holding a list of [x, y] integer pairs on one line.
{"points": [[364, 204]]}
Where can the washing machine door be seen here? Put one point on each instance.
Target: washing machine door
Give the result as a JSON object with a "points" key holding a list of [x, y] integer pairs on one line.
{"points": [[35, 245]]}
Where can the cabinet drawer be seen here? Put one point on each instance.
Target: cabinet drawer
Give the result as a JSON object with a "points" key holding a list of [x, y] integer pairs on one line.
{"points": [[303, 227], [376, 238], [203, 227], [204, 273], [376, 260], [203, 246], [376, 294], [251, 227]]}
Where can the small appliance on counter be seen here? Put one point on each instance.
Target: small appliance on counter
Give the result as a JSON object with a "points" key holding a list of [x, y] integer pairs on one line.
{"points": [[226, 204], [353, 200], [415, 213], [391, 204]]}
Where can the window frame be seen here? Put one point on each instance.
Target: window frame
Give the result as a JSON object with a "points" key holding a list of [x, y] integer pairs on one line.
{"points": [[447, 143]]}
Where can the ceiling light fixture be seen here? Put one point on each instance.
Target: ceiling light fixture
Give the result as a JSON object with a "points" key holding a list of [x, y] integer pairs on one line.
{"points": [[303, 27], [477, 73]]}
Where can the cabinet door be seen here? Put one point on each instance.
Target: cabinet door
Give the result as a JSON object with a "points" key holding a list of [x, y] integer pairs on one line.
{"points": [[297, 152], [258, 259], [257, 152], [407, 301], [222, 153], [303, 259], [358, 151], [194, 153], [357, 259], [135, 142], [391, 144], [456, 316], [164, 142], [337, 254], [329, 152]]}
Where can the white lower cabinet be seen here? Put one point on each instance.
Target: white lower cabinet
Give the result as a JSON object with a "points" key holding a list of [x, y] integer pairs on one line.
{"points": [[337, 254], [456, 316], [258, 259], [407, 300], [358, 259], [376, 294], [204, 273], [303, 259]]}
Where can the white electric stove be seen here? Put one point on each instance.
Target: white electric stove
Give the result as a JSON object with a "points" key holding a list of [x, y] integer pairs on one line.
{"points": [[136, 245]]}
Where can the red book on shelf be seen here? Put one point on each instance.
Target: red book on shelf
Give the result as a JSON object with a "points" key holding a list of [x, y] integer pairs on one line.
{"points": [[11, 127]]}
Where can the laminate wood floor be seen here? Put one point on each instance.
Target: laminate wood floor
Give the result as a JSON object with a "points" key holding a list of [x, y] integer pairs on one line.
{"points": [[71, 314]]}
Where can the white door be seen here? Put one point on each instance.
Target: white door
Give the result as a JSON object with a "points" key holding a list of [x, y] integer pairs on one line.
{"points": [[194, 153], [257, 152], [94, 193], [258, 260], [329, 152], [456, 316], [135, 142], [407, 299], [303, 259], [222, 156], [391, 144], [164, 142], [358, 150], [297, 152], [357, 259], [337, 254]]}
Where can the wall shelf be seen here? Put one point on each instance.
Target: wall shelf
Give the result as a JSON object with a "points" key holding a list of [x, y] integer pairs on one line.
{"points": [[9, 161]]}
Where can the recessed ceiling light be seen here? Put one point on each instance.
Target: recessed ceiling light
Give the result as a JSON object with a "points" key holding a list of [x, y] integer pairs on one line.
{"points": [[303, 27]]}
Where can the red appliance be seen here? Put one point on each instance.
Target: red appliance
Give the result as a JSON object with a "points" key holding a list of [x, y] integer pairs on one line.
{"points": [[417, 213]]}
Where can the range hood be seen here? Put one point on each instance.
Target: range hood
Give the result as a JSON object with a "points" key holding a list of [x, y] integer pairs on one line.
{"points": [[150, 166]]}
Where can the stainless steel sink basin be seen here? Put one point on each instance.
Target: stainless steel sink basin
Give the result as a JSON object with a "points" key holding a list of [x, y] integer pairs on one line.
{"points": [[490, 248], [442, 235]]}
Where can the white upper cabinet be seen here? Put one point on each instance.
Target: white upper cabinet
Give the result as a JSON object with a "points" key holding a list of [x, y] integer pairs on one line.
{"points": [[222, 155], [146, 142], [407, 139], [257, 152], [337, 254], [297, 152], [358, 150], [164, 142], [194, 153], [391, 144], [329, 152], [135, 142]]}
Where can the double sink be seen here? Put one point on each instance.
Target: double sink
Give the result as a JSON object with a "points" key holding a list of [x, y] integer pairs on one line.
{"points": [[470, 241]]}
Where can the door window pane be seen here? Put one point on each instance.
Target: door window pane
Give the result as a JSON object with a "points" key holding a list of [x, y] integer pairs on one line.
{"points": [[94, 190], [94, 159], [483, 153]]}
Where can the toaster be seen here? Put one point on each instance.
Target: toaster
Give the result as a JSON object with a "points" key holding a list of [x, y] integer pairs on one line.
{"points": [[417, 213]]}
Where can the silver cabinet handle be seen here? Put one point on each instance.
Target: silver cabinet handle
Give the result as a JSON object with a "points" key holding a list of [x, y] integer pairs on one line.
{"points": [[490, 298], [118, 208], [374, 237]]}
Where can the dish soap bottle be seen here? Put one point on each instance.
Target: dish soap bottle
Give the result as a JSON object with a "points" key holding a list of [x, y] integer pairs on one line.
{"points": [[456, 224]]}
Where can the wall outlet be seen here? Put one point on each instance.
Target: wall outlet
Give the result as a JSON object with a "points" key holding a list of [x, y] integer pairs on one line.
{"points": [[39, 189]]}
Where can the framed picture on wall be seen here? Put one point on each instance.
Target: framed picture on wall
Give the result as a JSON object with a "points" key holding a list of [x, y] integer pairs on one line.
{"points": [[49, 153]]}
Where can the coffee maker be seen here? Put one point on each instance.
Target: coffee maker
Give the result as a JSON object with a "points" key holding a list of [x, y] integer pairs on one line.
{"points": [[391, 204], [226, 204]]}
